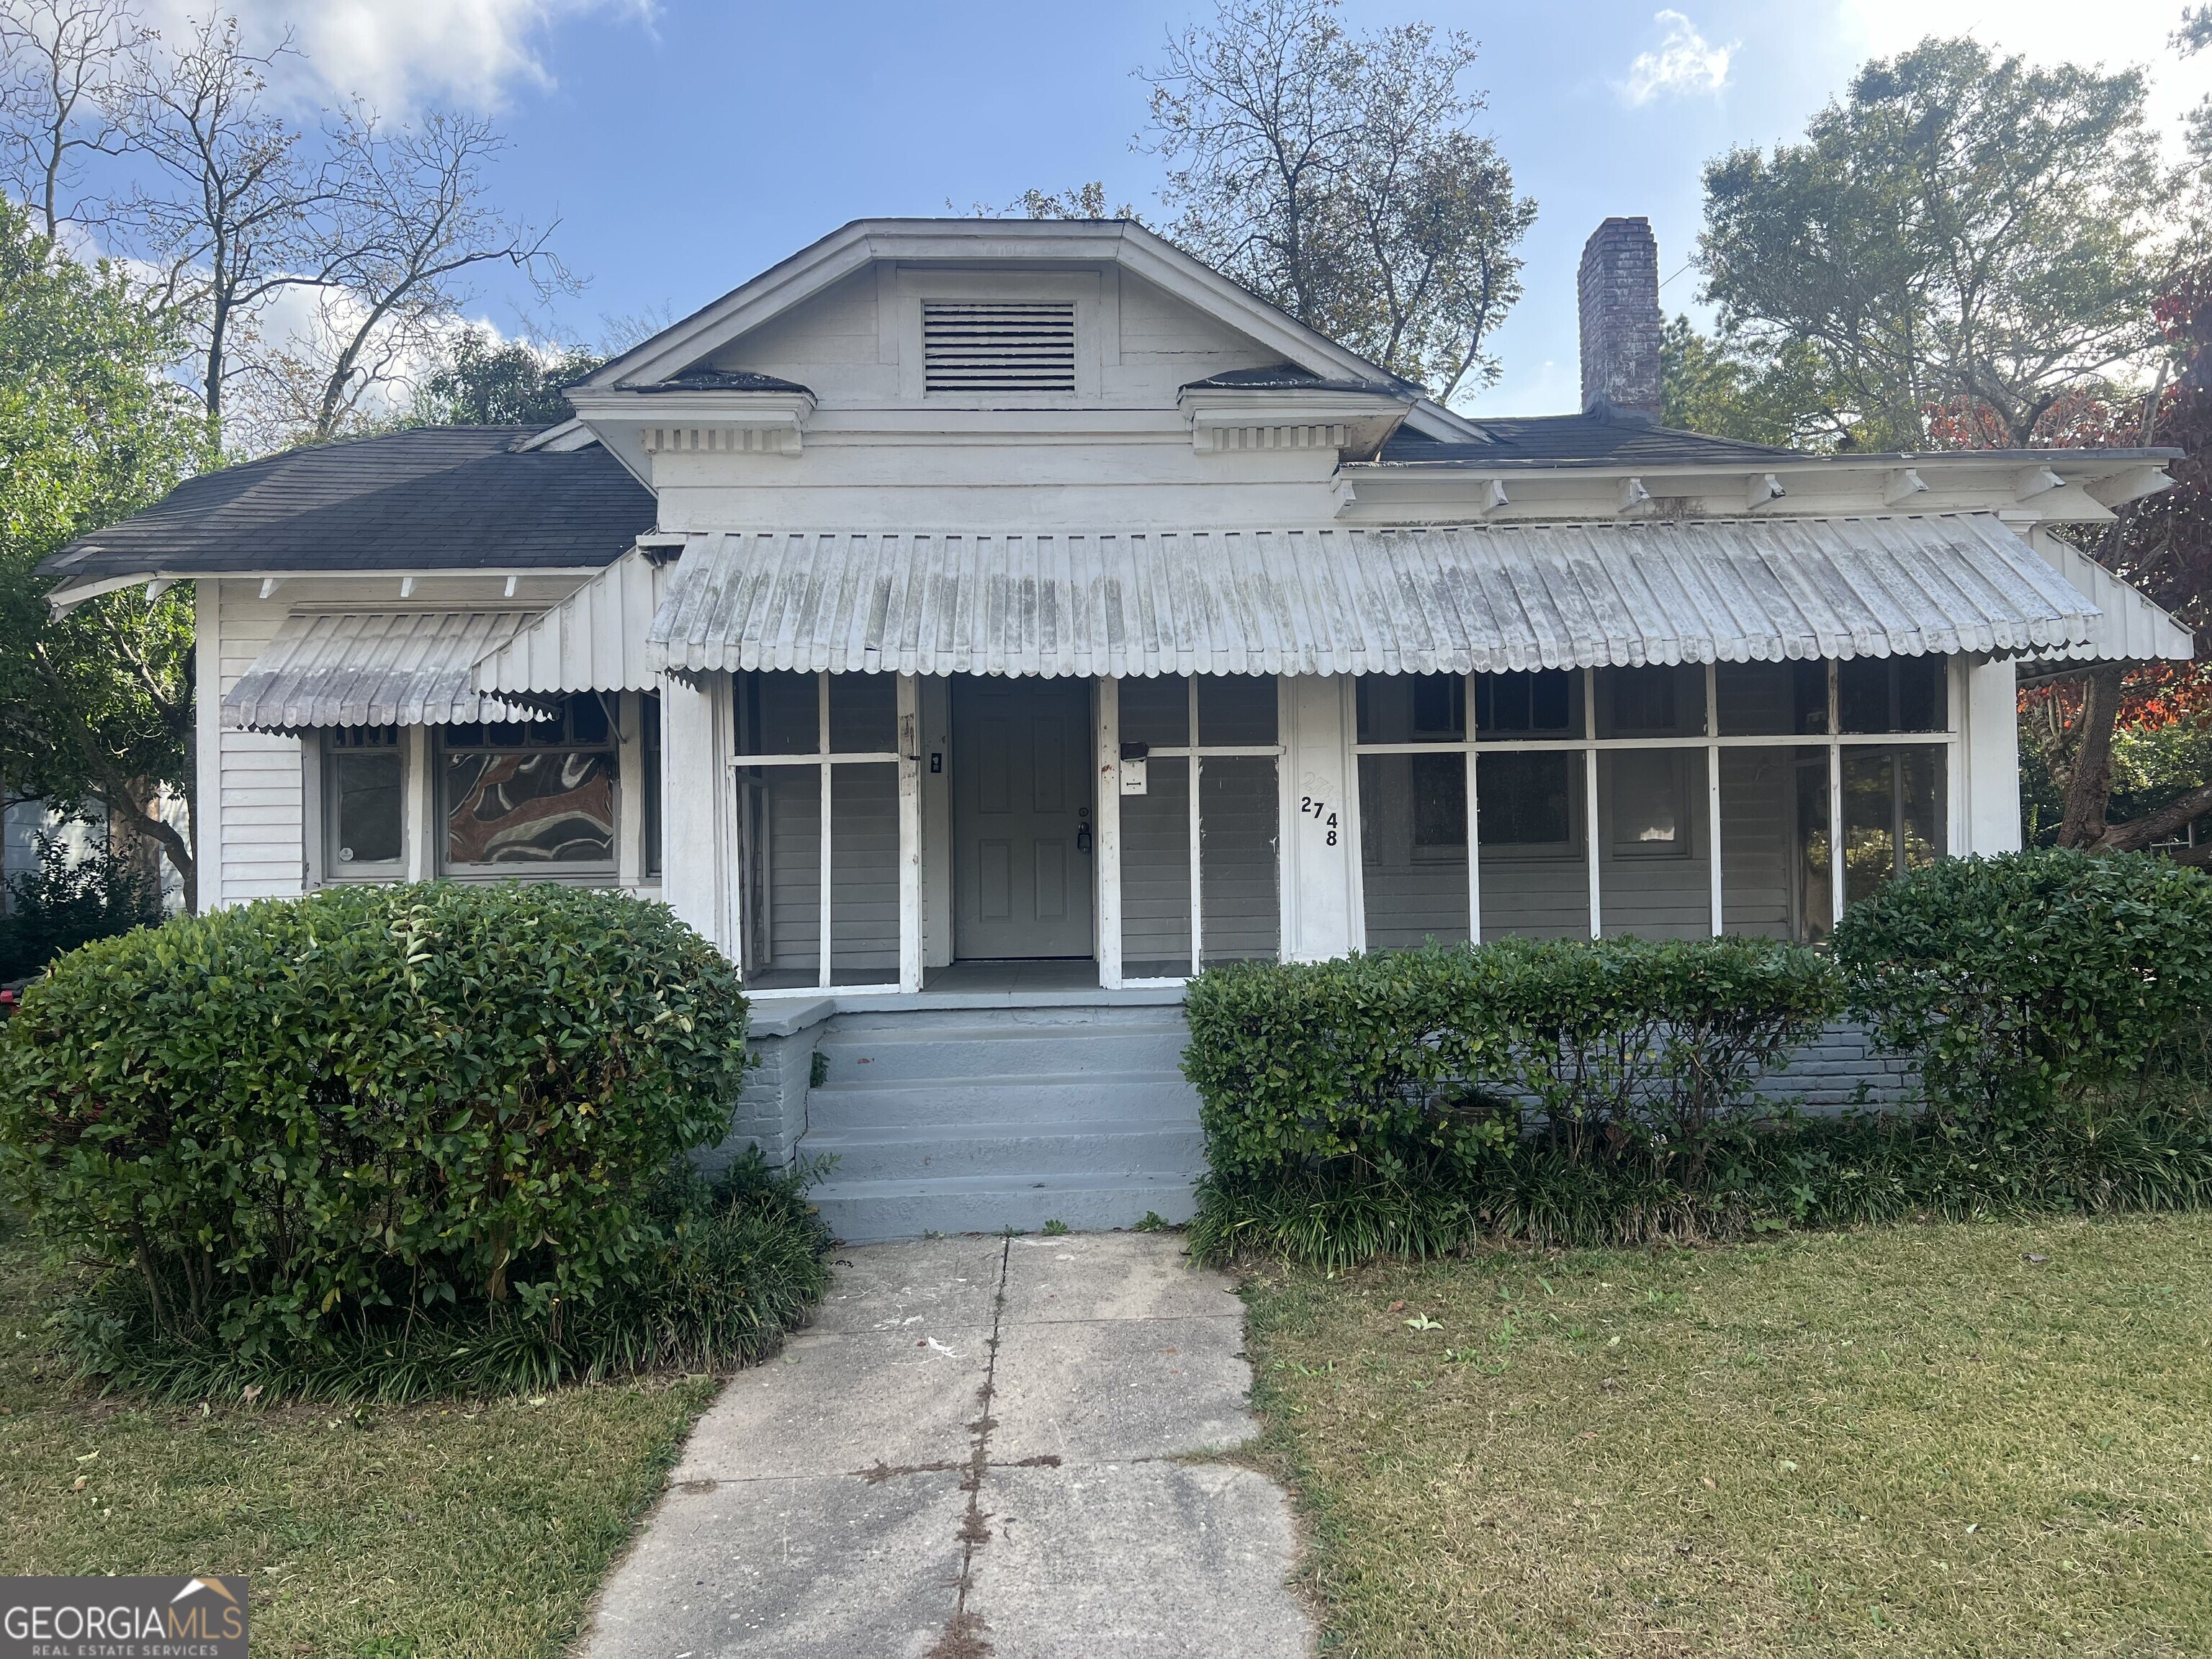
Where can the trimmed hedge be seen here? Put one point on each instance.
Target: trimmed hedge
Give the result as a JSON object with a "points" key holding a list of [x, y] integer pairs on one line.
{"points": [[2026, 980], [296, 1123], [1415, 1058], [1570, 1093]]}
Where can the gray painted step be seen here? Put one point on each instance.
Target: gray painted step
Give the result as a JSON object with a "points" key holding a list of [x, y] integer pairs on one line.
{"points": [[860, 1212], [1011, 1150], [1081, 1104], [977, 1120], [885, 1057]]}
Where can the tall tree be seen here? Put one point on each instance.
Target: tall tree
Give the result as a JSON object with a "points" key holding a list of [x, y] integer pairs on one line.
{"points": [[1960, 225], [409, 223], [95, 706], [482, 382], [60, 67], [1337, 176], [231, 215]]}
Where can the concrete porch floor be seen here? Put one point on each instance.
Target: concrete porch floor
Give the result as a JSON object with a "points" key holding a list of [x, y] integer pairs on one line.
{"points": [[976, 1451]]}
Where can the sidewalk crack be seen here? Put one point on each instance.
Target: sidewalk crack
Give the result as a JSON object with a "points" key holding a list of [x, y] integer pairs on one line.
{"points": [[963, 1638]]}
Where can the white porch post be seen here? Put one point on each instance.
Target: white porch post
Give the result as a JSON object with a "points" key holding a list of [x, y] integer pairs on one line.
{"points": [[1985, 795], [1713, 792], [1589, 799], [630, 790], [1109, 797], [1473, 820], [698, 808], [1835, 800], [207, 741], [419, 793], [909, 811], [1321, 897]]}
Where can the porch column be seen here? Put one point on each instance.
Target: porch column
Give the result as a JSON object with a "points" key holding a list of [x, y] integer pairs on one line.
{"points": [[1107, 761], [698, 798], [1320, 895], [1985, 806]]}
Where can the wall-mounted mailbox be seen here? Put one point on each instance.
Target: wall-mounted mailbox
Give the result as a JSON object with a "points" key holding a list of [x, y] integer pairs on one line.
{"points": [[1133, 768]]}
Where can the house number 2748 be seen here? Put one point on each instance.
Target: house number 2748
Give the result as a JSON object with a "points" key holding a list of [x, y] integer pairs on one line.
{"points": [[1319, 812]]}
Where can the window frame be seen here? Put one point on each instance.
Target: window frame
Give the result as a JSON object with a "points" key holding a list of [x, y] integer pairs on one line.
{"points": [[1587, 845], [328, 755]]}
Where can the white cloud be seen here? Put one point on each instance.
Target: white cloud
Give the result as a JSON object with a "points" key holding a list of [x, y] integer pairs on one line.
{"points": [[404, 54], [1685, 65]]}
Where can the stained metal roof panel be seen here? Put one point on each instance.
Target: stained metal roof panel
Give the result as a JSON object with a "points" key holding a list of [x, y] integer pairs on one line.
{"points": [[373, 668], [1336, 600]]}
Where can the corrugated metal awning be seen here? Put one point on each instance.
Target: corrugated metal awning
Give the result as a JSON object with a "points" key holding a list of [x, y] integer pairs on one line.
{"points": [[373, 668], [2131, 628], [1335, 600], [593, 641]]}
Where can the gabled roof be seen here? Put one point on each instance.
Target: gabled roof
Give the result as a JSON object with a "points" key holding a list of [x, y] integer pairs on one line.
{"points": [[684, 344], [423, 498]]}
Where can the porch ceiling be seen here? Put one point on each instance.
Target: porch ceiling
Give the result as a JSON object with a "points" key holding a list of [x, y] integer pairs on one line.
{"points": [[373, 668], [1335, 600]]}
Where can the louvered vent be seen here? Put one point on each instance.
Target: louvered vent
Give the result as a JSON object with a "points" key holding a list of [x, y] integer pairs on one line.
{"points": [[998, 345]]}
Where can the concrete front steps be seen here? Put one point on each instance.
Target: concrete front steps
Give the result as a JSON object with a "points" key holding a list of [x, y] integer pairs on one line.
{"points": [[951, 1120]]}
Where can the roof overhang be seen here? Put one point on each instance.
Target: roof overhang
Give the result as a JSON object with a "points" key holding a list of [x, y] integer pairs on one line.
{"points": [[1354, 424], [329, 667], [1337, 600]]}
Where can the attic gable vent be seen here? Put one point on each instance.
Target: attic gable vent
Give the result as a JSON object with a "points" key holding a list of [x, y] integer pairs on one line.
{"points": [[998, 345]]}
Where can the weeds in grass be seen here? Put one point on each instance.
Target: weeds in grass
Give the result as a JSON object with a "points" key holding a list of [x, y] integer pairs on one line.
{"points": [[1055, 1228]]}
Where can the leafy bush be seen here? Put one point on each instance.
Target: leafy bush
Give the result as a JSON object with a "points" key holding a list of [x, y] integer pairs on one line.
{"points": [[2033, 981], [1425, 1060], [304, 1126], [67, 901], [740, 1262]]}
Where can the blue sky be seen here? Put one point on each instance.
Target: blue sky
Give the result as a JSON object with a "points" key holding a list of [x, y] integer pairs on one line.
{"points": [[685, 145]]}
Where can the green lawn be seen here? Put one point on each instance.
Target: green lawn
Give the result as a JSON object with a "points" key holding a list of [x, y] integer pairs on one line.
{"points": [[1985, 1440], [464, 1530]]}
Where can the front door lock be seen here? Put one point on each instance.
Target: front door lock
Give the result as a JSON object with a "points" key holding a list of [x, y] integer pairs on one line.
{"points": [[1082, 840]]}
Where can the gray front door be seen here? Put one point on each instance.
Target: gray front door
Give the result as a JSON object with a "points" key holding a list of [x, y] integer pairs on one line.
{"points": [[1021, 817]]}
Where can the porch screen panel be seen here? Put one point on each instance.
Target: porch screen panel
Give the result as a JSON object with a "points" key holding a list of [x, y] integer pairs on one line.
{"points": [[1530, 827], [1893, 814], [1755, 826], [1239, 814], [780, 855], [1811, 872], [864, 888], [1413, 811], [1156, 872], [1653, 842]]}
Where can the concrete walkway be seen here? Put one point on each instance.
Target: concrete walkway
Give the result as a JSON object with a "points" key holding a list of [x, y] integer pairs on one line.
{"points": [[974, 1452]]}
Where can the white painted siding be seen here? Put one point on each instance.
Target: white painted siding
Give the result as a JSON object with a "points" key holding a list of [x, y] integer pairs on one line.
{"points": [[261, 813]]}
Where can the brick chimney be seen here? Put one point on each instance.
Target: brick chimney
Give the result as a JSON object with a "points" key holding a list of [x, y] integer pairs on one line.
{"points": [[1619, 290]]}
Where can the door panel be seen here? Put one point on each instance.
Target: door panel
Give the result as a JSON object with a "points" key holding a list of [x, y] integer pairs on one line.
{"points": [[1021, 817]]}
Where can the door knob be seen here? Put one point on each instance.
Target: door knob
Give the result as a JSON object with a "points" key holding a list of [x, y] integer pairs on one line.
{"points": [[1083, 839]]}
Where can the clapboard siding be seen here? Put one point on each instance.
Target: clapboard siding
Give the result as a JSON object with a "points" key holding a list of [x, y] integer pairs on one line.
{"points": [[1755, 827], [262, 816]]}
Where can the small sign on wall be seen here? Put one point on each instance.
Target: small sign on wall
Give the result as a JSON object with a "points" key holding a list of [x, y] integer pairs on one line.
{"points": [[1133, 768]]}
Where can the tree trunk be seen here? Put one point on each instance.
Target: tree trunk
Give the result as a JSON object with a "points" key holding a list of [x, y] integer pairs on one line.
{"points": [[2089, 785]]}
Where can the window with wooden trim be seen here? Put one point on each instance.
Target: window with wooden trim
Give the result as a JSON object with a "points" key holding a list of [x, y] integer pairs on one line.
{"points": [[364, 804]]}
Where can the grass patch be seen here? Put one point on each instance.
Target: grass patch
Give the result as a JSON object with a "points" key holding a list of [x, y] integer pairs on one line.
{"points": [[476, 1528], [1916, 1440]]}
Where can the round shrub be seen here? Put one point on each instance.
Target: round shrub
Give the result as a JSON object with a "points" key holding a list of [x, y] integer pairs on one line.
{"points": [[2025, 981], [297, 1120]]}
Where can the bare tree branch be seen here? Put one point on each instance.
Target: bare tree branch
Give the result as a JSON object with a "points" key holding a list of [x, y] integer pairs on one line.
{"points": [[59, 88]]}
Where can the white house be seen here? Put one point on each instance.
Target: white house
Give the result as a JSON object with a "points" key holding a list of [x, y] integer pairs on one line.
{"points": [[976, 627]]}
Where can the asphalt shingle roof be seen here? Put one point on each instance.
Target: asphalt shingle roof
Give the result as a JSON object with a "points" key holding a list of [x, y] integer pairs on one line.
{"points": [[1554, 439], [427, 498]]}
